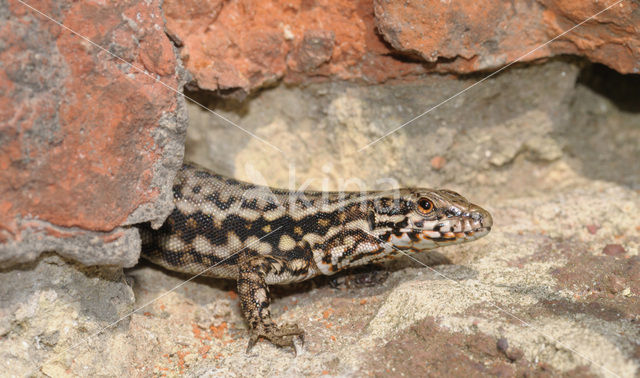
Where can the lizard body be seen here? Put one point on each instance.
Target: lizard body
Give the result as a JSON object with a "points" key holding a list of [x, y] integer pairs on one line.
{"points": [[262, 236]]}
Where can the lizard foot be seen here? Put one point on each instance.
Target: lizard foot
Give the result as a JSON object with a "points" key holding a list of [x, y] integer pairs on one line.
{"points": [[282, 336]]}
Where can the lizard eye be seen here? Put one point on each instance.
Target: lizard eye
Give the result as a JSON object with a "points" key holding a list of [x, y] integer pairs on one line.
{"points": [[425, 206]]}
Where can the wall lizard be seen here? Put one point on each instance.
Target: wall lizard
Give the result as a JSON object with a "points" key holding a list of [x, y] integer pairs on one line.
{"points": [[261, 236]]}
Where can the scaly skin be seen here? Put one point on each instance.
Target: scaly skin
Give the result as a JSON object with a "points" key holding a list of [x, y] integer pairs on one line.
{"points": [[261, 236]]}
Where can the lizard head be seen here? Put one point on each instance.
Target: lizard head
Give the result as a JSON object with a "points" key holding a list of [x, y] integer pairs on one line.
{"points": [[423, 219]]}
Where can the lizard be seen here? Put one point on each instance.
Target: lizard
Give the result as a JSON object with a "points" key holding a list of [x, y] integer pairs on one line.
{"points": [[259, 236]]}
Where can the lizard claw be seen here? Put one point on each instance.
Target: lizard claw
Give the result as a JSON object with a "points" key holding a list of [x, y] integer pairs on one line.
{"points": [[298, 347], [282, 336], [253, 339]]}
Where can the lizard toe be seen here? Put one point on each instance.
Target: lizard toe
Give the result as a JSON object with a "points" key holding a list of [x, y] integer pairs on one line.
{"points": [[282, 336]]}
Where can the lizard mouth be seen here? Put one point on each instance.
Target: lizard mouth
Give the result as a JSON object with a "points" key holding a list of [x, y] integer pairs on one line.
{"points": [[450, 237], [419, 240]]}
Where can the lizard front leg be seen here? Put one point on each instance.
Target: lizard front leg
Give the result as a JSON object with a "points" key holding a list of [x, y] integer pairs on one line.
{"points": [[255, 300]]}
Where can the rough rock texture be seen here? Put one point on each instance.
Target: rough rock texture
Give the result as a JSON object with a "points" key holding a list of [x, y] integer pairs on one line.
{"points": [[87, 143], [50, 306], [240, 44], [467, 36], [247, 45]]}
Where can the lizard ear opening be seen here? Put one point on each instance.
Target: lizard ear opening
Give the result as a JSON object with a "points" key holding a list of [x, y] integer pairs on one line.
{"points": [[371, 218]]}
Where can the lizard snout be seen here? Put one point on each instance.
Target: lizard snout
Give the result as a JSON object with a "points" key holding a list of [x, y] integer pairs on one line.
{"points": [[480, 218]]}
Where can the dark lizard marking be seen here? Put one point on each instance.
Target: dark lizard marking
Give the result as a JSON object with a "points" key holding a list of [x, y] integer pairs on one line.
{"points": [[222, 205], [371, 217]]}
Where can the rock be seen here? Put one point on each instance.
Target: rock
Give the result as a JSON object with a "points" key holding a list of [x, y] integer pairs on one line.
{"points": [[502, 345], [613, 250], [438, 162], [52, 310], [462, 36], [315, 49], [246, 46], [592, 228], [119, 247], [88, 144], [237, 45]]}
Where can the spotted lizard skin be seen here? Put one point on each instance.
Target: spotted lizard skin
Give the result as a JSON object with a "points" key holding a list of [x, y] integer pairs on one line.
{"points": [[261, 236]]}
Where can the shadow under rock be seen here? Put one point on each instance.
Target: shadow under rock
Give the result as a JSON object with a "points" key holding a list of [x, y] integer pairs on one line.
{"points": [[99, 292], [215, 283], [623, 90], [605, 126]]}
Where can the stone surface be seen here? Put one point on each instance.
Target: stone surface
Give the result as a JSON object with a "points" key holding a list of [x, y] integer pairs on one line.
{"points": [[468, 36], [87, 143], [247, 45], [51, 307]]}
